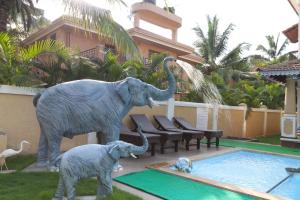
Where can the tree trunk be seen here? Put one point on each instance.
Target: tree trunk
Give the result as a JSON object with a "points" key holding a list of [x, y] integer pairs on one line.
{"points": [[4, 14]]}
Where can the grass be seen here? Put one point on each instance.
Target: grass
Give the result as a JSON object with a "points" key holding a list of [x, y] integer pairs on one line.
{"points": [[42, 186], [20, 162], [274, 139]]}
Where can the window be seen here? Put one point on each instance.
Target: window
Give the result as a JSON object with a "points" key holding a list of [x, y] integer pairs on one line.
{"points": [[53, 36]]}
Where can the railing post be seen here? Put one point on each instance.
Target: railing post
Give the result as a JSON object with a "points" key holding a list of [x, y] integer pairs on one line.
{"points": [[265, 120], [215, 117], [170, 108], [100, 52], [202, 117], [92, 138], [244, 133]]}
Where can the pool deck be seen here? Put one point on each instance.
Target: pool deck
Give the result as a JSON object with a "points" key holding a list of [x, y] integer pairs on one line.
{"points": [[160, 161], [133, 165], [163, 161], [144, 161]]}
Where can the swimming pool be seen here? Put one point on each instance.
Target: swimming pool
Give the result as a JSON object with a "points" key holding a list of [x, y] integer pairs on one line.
{"points": [[257, 171]]}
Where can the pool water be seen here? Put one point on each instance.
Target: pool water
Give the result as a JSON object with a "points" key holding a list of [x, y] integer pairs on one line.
{"points": [[256, 171]]}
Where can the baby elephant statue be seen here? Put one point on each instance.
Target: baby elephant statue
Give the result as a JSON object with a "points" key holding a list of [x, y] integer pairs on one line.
{"points": [[93, 160]]}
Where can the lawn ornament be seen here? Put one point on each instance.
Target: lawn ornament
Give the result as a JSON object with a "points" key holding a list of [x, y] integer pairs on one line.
{"points": [[84, 106], [93, 160], [10, 152], [184, 165]]}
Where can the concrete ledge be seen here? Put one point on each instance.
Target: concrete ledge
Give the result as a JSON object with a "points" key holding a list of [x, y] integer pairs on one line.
{"points": [[8, 89], [290, 142]]}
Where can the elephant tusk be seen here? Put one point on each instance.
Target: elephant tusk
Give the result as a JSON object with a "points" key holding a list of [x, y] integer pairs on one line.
{"points": [[152, 102], [132, 155]]}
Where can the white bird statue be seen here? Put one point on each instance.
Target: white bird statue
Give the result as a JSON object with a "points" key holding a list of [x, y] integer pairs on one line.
{"points": [[10, 152]]}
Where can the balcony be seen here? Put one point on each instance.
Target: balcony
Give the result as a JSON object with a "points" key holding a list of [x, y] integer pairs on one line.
{"points": [[98, 53], [90, 53]]}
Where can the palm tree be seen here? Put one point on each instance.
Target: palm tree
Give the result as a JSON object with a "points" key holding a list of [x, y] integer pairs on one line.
{"points": [[212, 47], [92, 18], [16, 61], [274, 50]]}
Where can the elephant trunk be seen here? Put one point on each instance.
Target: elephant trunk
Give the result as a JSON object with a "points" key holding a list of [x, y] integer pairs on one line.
{"points": [[162, 95], [138, 150]]}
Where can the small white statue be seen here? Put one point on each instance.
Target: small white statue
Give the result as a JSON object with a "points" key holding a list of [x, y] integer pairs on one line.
{"points": [[184, 165], [10, 152]]}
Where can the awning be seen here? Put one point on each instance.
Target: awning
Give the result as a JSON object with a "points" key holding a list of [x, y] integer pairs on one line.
{"points": [[281, 71]]}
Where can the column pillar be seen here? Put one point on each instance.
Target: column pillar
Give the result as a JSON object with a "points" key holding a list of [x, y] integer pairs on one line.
{"points": [[174, 35], [289, 118], [136, 22], [290, 97], [298, 103]]}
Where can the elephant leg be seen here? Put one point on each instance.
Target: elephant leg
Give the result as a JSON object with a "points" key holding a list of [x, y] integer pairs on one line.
{"points": [[111, 134], [70, 183], [54, 148], [59, 195], [42, 155], [104, 187]]}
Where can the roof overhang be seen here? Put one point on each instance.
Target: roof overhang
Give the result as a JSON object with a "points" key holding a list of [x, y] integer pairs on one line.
{"points": [[156, 15], [63, 21], [148, 37], [295, 5], [292, 33], [191, 58], [280, 72]]}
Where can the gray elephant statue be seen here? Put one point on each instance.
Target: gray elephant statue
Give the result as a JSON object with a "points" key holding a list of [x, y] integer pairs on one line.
{"points": [[84, 106], [93, 160]]}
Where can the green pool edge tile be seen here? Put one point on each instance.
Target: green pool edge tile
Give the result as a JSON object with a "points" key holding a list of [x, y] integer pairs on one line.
{"points": [[173, 187], [259, 146]]}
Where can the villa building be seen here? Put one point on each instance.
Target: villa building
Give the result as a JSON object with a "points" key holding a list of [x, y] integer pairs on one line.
{"points": [[89, 44]]}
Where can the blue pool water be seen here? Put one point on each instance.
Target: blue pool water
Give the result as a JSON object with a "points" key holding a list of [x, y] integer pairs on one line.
{"points": [[256, 171]]}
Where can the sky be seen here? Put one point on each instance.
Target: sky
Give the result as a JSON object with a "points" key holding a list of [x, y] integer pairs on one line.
{"points": [[253, 19]]}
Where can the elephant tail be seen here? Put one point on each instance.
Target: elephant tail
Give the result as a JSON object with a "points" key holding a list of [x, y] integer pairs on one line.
{"points": [[36, 99]]}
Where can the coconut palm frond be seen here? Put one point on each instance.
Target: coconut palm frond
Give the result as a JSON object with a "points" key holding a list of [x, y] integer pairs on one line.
{"points": [[273, 51], [7, 48], [23, 11], [262, 48], [116, 1], [98, 19], [222, 41], [201, 43], [40, 47], [234, 56], [212, 36], [283, 47]]}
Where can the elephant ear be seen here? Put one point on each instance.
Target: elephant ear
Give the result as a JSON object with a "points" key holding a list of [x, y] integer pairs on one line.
{"points": [[123, 91], [114, 152]]}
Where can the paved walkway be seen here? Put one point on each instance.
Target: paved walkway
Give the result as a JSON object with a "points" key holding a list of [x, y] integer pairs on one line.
{"points": [[133, 165]]}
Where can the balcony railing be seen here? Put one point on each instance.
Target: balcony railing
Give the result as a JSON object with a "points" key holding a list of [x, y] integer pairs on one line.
{"points": [[90, 53]]}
